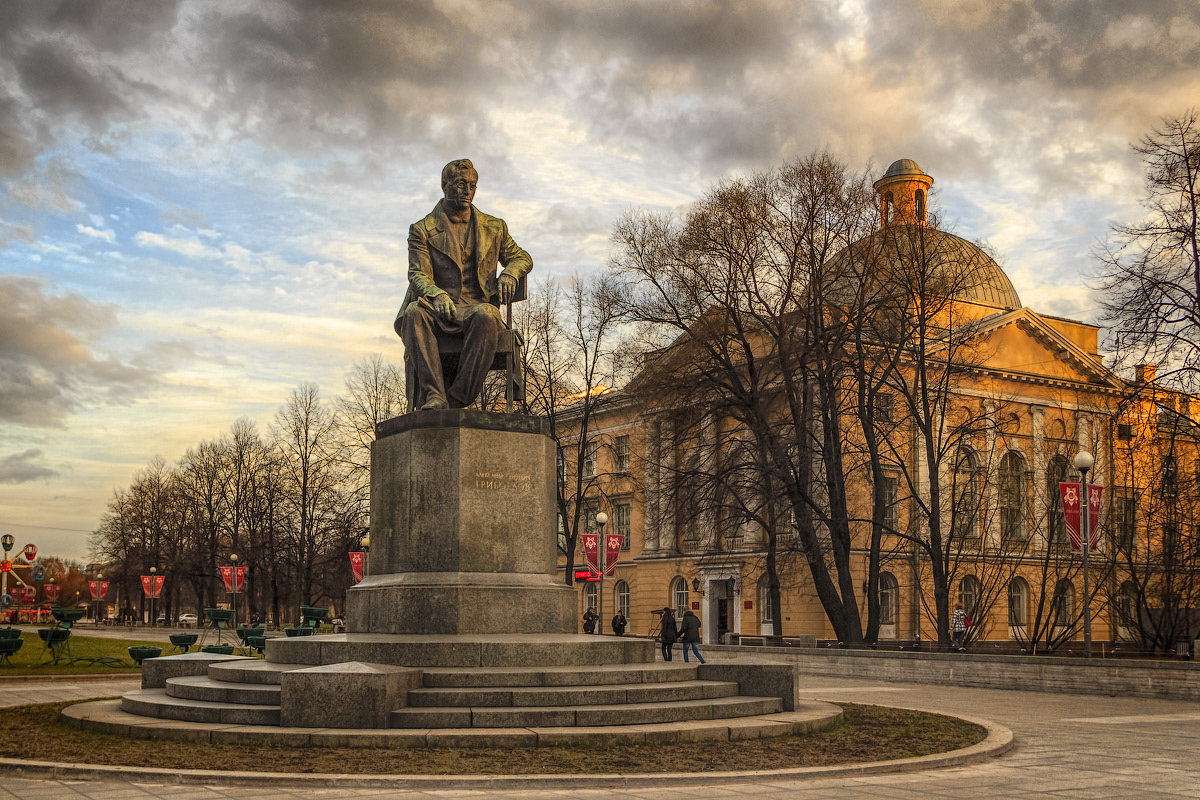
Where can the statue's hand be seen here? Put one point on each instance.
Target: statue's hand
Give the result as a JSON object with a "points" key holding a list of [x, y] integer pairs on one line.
{"points": [[443, 306], [508, 288]]}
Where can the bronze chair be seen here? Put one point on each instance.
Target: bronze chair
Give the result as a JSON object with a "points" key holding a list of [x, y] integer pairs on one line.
{"points": [[508, 358]]}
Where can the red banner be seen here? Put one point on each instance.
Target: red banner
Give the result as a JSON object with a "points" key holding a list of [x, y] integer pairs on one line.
{"points": [[99, 589], [28, 594], [356, 565], [30, 552], [230, 574], [591, 551], [612, 552], [1071, 497], [52, 591], [152, 585]]}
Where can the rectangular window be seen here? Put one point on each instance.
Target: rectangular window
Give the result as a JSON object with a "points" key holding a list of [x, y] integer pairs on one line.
{"points": [[589, 460], [621, 453], [884, 406], [1170, 533], [1170, 477], [1124, 431], [562, 468], [891, 499], [1127, 531], [621, 523]]}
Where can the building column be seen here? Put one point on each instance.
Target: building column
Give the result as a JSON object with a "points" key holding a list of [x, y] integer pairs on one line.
{"points": [[652, 507], [1040, 499], [991, 489]]}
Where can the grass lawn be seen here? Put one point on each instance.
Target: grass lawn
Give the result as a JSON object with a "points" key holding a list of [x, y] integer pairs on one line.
{"points": [[30, 660], [868, 733]]}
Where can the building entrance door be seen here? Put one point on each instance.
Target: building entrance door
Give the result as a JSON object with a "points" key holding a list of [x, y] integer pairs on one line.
{"points": [[723, 626]]}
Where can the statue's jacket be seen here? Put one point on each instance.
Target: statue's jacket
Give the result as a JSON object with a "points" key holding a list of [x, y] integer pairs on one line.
{"points": [[435, 260]]}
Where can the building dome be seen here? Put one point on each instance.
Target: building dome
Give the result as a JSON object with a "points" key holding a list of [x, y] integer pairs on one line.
{"points": [[903, 166], [906, 250]]}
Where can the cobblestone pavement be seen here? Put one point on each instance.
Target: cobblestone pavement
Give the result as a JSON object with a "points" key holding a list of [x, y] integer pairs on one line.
{"points": [[1068, 746]]}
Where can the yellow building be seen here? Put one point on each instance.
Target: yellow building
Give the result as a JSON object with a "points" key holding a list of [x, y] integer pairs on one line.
{"points": [[1040, 385]]}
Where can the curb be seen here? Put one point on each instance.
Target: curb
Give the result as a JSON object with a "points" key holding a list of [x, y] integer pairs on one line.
{"points": [[96, 676], [999, 740]]}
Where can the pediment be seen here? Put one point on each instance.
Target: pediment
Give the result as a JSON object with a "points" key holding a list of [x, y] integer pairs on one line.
{"points": [[1025, 346]]}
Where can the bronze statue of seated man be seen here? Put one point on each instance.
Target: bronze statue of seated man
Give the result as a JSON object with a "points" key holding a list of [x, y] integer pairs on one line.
{"points": [[454, 290]]}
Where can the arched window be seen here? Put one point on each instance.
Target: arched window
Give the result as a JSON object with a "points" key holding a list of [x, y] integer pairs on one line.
{"points": [[920, 205], [968, 595], [1056, 524], [1063, 603], [589, 595], [889, 599], [1012, 496], [679, 597], [621, 598], [1018, 603], [764, 600], [967, 479]]}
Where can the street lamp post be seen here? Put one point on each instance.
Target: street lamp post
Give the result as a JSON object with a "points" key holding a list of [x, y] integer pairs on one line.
{"points": [[602, 551], [233, 558], [1083, 463], [153, 599], [366, 546]]}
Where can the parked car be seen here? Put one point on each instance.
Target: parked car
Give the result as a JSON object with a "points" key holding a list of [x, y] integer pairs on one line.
{"points": [[187, 620]]}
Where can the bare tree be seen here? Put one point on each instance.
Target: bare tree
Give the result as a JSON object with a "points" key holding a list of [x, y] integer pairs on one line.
{"points": [[733, 307], [1150, 280], [573, 362]]}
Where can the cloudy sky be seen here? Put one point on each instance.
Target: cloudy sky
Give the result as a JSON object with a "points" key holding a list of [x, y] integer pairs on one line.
{"points": [[204, 204]]}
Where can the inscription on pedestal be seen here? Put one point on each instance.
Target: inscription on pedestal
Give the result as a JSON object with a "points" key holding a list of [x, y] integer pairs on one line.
{"points": [[500, 482]]}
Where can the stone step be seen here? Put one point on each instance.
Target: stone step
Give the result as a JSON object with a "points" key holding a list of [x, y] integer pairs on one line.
{"points": [[599, 715], [601, 675], [251, 671], [550, 696], [202, 687], [157, 703]]}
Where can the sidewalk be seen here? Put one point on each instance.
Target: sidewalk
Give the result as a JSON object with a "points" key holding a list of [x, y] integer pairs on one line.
{"points": [[1068, 747]]}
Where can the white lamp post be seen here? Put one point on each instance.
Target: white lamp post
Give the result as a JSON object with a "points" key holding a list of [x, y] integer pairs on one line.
{"points": [[602, 551], [1083, 463]]}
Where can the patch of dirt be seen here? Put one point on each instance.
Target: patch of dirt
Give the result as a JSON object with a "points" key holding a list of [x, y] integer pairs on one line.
{"points": [[867, 733]]}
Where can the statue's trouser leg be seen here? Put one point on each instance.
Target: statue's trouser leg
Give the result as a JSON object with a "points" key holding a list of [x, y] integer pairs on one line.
{"points": [[482, 325], [418, 332]]}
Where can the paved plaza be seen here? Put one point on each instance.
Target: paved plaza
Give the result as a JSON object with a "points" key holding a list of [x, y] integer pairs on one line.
{"points": [[1067, 746]]}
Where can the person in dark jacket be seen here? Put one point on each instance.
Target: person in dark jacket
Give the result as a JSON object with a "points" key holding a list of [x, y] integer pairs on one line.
{"points": [[618, 623], [689, 632], [669, 633], [589, 620]]}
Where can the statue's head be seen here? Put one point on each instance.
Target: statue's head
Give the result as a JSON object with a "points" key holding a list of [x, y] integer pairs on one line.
{"points": [[459, 179]]}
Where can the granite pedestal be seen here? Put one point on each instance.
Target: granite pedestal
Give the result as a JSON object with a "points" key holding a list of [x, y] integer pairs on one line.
{"points": [[462, 529]]}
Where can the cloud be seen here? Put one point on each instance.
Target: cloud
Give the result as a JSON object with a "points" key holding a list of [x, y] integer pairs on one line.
{"points": [[23, 467], [88, 230], [51, 359]]}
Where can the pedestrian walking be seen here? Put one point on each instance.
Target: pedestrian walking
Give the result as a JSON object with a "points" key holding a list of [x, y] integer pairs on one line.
{"points": [[589, 620], [689, 632], [668, 634], [959, 622]]}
